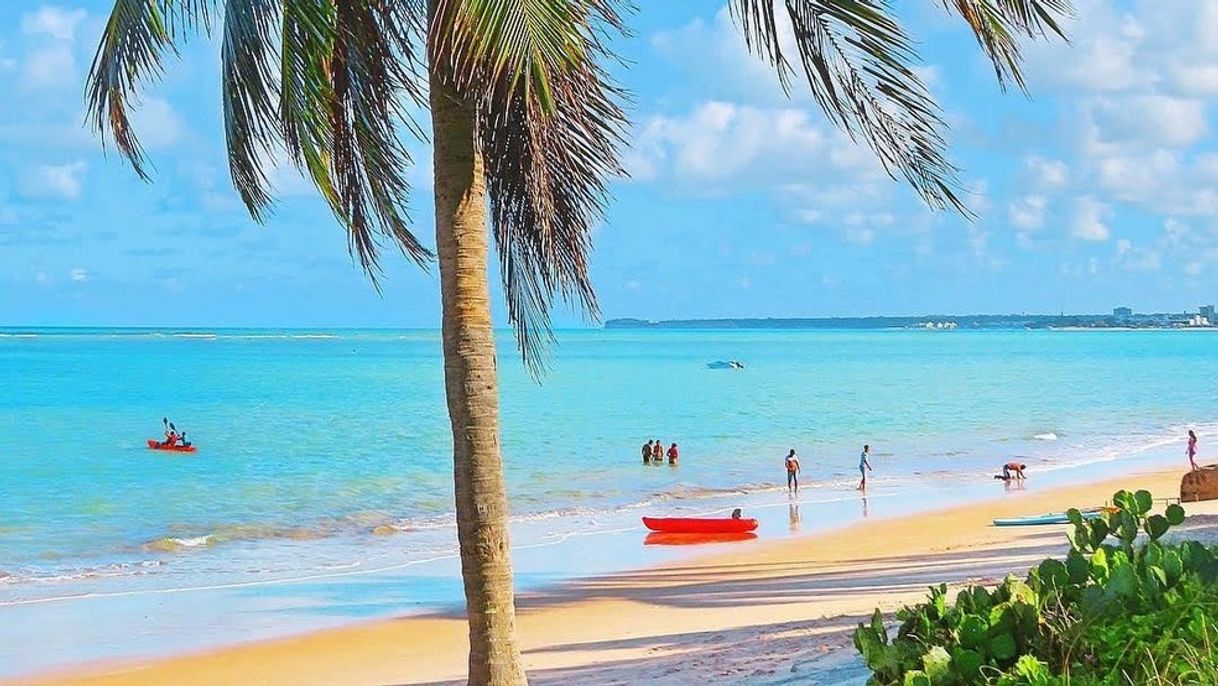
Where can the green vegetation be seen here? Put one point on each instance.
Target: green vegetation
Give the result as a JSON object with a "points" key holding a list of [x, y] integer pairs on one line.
{"points": [[1119, 609]]}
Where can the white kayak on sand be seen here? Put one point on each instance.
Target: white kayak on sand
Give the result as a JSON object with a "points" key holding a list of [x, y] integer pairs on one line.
{"points": [[1047, 518]]}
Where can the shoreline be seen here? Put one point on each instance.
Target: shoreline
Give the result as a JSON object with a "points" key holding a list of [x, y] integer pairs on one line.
{"points": [[790, 603]]}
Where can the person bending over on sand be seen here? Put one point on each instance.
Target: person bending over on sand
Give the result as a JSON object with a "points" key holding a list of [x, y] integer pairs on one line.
{"points": [[657, 451], [1192, 450], [792, 472], [736, 514], [864, 467], [647, 453], [673, 454], [1014, 470]]}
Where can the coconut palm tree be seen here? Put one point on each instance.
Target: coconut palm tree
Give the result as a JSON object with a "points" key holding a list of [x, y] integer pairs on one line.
{"points": [[526, 127]]}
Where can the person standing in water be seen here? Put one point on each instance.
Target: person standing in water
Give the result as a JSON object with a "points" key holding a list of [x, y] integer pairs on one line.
{"points": [[657, 452], [673, 454], [1192, 450], [864, 467], [647, 452], [792, 472]]}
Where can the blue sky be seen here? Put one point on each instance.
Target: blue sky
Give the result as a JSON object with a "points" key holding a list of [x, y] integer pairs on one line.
{"points": [[1098, 190]]}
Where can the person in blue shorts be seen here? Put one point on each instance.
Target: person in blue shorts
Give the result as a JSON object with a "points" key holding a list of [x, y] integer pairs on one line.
{"points": [[864, 467]]}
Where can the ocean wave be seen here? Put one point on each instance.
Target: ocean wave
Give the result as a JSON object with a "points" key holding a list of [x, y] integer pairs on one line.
{"points": [[1046, 436]]}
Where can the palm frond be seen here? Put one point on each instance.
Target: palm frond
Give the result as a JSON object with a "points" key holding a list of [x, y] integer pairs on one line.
{"points": [[133, 44], [858, 63], [370, 70], [550, 124], [1000, 24], [251, 126]]}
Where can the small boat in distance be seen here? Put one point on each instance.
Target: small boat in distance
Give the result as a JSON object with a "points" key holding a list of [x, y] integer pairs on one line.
{"points": [[725, 364], [154, 444]]}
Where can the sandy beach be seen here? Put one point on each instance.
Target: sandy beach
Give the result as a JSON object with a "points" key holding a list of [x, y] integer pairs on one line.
{"points": [[767, 612]]}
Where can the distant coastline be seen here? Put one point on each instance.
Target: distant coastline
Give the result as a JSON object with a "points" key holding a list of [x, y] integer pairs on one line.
{"points": [[940, 322]]}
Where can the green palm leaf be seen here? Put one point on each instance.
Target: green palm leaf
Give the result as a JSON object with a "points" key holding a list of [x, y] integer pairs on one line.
{"points": [[858, 62], [551, 126]]}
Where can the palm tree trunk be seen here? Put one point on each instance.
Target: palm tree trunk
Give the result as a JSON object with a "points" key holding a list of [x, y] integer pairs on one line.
{"points": [[471, 383]]}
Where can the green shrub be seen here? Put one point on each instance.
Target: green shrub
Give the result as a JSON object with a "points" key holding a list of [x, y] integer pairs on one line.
{"points": [[1117, 610]]}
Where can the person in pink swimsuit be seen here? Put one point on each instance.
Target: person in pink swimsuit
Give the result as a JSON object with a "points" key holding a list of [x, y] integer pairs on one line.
{"points": [[1192, 450]]}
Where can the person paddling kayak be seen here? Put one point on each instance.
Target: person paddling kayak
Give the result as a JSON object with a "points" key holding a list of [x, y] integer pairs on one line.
{"points": [[171, 433]]}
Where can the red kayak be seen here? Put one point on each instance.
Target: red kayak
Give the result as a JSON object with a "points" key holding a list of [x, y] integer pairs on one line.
{"points": [[156, 445], [702, 525]]}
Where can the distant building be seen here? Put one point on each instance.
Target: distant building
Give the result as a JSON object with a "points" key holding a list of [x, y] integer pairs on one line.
{"points": [[1207, 312], [1126, 312]]}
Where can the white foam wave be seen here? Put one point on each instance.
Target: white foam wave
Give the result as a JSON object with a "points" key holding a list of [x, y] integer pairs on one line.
{"points": [[1047, 436]]}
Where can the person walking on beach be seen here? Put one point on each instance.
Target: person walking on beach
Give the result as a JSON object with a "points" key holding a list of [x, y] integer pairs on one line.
{"points": [[647, 452], [673, 454], [1192, 450], [792, 472], [657, 452], [864, 467]]}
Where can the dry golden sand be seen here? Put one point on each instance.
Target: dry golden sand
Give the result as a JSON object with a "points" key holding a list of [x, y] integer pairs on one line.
{"points": [[771, 612]]}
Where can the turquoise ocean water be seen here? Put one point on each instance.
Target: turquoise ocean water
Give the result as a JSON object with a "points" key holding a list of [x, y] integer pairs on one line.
{"points": [[321, 493]]}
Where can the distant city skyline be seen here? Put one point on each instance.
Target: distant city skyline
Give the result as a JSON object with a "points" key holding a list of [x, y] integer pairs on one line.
{"points": [[1095, 192]]}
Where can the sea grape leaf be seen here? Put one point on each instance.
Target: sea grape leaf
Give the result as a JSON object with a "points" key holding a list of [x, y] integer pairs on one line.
{"points": [[1156, 526], [1099, 532], [1053, 573], [1002, 647], [1122, 582], [972, 631], [917, 678], [1099, 565], [1173, 566], [1129, 528], [1077, 567], [1074, 516], [967, 664], [1152, 554], [1001, 618], [1143, 501], [1174, 515], [877, 626], [937, 664]]}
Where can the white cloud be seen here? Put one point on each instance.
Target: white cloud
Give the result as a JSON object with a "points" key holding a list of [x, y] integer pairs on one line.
{"points": [[1046, 173], [1144, 121], [55, 22], [79, 275], [1089, 220], [728, 143], [156, 123], [1028, 213], [50, 66], [55, 181], [1136, 259]]}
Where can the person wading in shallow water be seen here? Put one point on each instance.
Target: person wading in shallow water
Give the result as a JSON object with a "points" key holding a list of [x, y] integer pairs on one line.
{"points": [[792, 472], [647, 452], [864, 467], [673, 454]]}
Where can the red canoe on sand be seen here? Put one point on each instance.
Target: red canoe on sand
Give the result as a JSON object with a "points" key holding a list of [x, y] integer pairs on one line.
{"points": [[156, 445], [701, 525]]}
